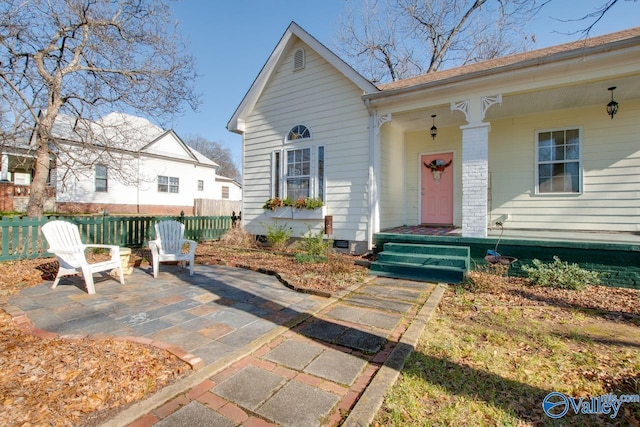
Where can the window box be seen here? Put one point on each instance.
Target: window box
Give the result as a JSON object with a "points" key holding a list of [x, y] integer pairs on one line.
{"points": [[317, 213], [281, 212], [289, 212]]}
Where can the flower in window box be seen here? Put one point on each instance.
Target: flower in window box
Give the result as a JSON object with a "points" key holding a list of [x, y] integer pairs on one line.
{"points": [[273, 204]]}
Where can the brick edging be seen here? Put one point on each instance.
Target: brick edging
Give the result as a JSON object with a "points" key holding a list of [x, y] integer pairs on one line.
{"points": [[27, 326]]}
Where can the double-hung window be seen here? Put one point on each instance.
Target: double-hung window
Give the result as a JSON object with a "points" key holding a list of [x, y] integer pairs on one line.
{"points": [[168, 184], [298, 170], [101, 180], [558, 161]]}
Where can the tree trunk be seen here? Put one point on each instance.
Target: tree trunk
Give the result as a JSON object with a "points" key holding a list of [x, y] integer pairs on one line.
{"points": [[35, 208]]}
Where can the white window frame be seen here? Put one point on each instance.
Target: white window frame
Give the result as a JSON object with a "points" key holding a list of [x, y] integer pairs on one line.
{"points": [[279, 178], [100, 178], [578, 161], [200, 185], [172, 183]]}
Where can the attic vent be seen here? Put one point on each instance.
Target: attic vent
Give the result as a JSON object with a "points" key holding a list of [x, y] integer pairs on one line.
{"points": [[298, 60]]}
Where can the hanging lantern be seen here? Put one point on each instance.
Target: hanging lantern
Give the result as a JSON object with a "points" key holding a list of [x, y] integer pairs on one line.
{"points": [[612, 106], [434, 129]]}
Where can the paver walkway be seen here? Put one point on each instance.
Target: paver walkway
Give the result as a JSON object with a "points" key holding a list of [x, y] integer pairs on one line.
{"points": [[270, 355]]}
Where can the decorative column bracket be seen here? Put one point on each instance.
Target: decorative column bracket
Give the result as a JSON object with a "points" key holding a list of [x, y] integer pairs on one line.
{"points": [[488, 101], [382, 119], [461, 106]]}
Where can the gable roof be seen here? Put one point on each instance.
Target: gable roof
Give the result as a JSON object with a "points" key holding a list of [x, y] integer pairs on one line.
{"points": [[521, 60], [293, 33], [123, 132]]}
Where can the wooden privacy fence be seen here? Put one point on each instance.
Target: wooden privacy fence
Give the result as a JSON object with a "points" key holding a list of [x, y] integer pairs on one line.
{"points": [[211, 207], [22, 237]]}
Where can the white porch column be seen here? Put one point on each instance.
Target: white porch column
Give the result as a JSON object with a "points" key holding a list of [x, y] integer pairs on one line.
{"points": [[475, 163], [4, 167], [475, 179]]}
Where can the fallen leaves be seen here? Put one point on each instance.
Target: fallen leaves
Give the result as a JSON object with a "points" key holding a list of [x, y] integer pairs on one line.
{"points": [[71, 382]]}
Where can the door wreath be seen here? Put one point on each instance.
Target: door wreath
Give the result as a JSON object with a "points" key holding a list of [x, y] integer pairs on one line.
{"points": [[437, 166]]}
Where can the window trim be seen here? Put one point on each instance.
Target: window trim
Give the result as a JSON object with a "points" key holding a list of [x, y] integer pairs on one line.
{"points": [[578, 161], [201, 185], [97, 178], [279, 166], [172, 182], [298, 129]]}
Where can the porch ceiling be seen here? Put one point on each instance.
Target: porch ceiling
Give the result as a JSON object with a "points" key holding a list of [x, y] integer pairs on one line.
{"points": [[518, 104]]}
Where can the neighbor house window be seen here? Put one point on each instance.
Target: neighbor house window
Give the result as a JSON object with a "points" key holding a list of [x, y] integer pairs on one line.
{"points": [[168, 184], [102, 184], [225, 192], [558, 158], [200, 185]]}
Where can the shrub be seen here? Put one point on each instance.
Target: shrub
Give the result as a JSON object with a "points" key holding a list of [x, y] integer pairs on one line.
{"points": [[314, 246], [560, 274], [278, 234]]}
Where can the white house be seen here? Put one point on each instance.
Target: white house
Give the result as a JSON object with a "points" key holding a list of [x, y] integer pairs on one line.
{"points": [[227, 189], [525, 140], [147, 171]]}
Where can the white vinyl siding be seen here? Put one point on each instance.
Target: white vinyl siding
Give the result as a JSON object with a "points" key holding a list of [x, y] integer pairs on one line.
{"points": [[330, 105]]}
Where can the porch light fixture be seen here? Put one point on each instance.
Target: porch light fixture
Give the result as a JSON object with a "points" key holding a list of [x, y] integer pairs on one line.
{"points": [[434, 129], [612, 106]]}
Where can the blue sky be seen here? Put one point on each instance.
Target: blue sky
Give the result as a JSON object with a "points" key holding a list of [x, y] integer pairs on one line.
{"points": [[232, 40]]}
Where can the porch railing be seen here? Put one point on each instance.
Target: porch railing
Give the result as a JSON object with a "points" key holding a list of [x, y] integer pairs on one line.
{"points": [[22, 238]]}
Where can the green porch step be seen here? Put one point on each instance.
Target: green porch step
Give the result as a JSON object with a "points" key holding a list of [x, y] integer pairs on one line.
{"points": [[424, 259], [427, 263]]}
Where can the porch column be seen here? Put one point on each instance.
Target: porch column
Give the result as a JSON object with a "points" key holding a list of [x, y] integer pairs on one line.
{"points": [[475, 163], [475, 179], [4, 167]]}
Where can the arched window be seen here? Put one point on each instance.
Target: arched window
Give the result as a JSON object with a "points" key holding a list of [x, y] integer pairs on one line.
{"points": [[298, 59], [298, 132]]}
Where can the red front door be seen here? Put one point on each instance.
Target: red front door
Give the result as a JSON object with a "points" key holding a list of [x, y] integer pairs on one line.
{"points": [[437, 188]]}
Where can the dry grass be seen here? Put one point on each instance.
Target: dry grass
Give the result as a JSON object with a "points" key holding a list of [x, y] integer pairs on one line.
{"points": [[489, 357]]}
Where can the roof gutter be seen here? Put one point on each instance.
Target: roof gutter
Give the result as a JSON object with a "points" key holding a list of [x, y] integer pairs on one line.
{"points": [[528, 63]]}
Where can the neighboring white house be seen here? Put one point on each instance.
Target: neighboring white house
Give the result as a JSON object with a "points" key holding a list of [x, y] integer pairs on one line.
{"points": [[227, 189], [150, 170], [525, 140]]}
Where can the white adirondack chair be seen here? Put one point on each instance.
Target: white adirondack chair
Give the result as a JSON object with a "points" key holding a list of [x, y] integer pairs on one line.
{"points": [[169, 244], [64, 242]]}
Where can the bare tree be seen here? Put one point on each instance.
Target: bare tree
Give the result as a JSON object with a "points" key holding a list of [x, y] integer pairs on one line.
{"points": [[397, 39], [216, 152], [591, 18], [388, 40], [81, 59]]}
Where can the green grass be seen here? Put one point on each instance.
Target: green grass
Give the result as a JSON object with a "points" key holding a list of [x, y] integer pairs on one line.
{"points": [[484, 365]]}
